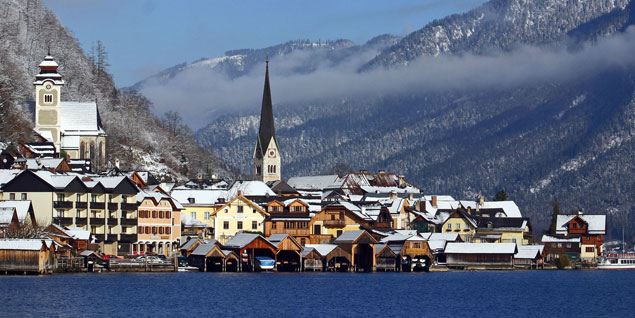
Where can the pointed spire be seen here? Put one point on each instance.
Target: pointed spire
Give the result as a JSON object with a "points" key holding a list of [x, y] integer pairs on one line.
{"points": [[267, 129]]}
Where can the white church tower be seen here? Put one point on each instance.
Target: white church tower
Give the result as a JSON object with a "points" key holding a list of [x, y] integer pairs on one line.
{"points": [[267, 161], [48, 84]]}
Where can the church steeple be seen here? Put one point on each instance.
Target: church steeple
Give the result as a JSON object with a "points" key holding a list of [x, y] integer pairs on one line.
{"points": [[266, 154]]}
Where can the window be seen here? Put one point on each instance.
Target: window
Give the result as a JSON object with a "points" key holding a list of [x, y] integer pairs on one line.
{"points": [[297, 209], [161, 230], [458, 226], [226, 225], [48, 98], [168, 230], [226, 210], [289, 225], [206, 216], [154, 230], [273, 225], [590, 249], [167, 215], [575, 225], [160, 214], [12, 196], [193, 215], [60, 197], [23, 196], [240, 209], [339, 233], [93, 198], [239, 225], [449, 228], [254, 225], [568, 245], [258, 170], [191, 200], [60, 213]]}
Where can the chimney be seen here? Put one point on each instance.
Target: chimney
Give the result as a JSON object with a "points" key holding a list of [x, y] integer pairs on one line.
{"points": [[434, 201], [381, 171], [411, 196], [393, 194], [363, 171], [117, 163], [421, 204], [402, 181]]}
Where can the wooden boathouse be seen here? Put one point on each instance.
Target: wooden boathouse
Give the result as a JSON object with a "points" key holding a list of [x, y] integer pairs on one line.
{"points": [[27, 256], [248, 246], [210, 257], [289, 256], [480, 255], [360, 245]]}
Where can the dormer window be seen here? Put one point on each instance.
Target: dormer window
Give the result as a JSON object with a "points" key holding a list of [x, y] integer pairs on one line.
{"points": [[48, 98], [191, 200]]}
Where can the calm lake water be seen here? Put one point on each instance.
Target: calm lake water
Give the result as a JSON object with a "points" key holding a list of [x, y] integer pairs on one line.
{"points": [[451, 294]]}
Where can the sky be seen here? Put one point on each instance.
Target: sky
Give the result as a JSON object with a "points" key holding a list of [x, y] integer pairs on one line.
{"points": [[143, 37]]}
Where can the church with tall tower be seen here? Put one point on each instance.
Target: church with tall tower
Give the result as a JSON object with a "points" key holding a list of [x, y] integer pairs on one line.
{"points": [[74, 128], [267, 161]]}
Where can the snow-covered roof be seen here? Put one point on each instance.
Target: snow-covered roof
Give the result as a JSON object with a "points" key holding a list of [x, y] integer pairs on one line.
{"points": [[480, 248], [529, 251], [158, 196], [509, 207], [322, 249], [78, 117], [21, 207], [436, 245], [24, 244], [78, 233], [312, 182], [249, 188], [241, 239], [7, 175], [553, 239], [596, 223], [205, 197], [6, 215]]}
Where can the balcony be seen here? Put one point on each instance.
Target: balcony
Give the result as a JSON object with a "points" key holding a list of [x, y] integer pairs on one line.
{"points": [[100, 237], [113, 206], [98, 205], [128, 238], [81, 205], [335, 223], [63, 204], [129, 206], [81, 221], [97, 221], [112, 221], [125, 221], [63, 221]]}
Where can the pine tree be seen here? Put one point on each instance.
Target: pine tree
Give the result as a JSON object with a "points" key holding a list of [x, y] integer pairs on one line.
{"points": [[501, 196]]}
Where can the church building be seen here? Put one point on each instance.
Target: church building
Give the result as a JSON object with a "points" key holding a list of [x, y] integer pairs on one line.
{"points": [[74, 128], [267, 154]]}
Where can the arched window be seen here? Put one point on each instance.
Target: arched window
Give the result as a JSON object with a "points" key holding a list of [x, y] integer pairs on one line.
{"points": [[92, 153], [82, 150]]}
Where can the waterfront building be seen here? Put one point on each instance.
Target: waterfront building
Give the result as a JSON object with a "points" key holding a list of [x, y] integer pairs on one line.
{"points": [[200, 204], [557, 245], [480, 255], [461, 221], [27, 255], [360, 245], [159, 223], [289, 255], [589, 228], [249, 246], [335, 219]]}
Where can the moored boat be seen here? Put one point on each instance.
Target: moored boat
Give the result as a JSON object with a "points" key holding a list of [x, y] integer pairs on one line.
{"points": [[617, 261]]}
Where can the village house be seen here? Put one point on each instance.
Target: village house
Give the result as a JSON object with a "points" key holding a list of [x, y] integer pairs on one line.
{"points": [[589, 228], [557, 246], [159, 224], [480, 255], [289, 217], [239, 214], [335, 219], [27, 256], [200, 204]]}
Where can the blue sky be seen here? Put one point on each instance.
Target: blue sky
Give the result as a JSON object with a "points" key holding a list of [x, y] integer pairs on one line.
{"points": [[145, 36]]}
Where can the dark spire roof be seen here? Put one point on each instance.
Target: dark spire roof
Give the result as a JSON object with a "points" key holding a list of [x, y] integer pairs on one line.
{"points": [[267, 128]]}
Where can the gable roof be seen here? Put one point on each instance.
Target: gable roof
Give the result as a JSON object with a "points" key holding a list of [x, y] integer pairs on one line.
{"points": [[243, 239], [7, 214], [480, 248], [249, 202], [349, 237], [596, 223], [250, 188], [25, 244], [204, 197], [79, 117], [322, 249], [312, 182], [529, 251], [22, 208]]}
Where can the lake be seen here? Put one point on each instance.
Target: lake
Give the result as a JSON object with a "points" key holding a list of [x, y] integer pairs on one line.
{"points": [[450, 294]]}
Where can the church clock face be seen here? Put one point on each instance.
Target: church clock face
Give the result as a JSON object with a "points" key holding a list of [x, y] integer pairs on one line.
{"points": [[48, 86], [271, 153]]}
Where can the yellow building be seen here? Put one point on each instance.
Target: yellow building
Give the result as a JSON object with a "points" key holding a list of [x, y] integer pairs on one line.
{"points": [[461, 222], [200, 205], [239, 214]]}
